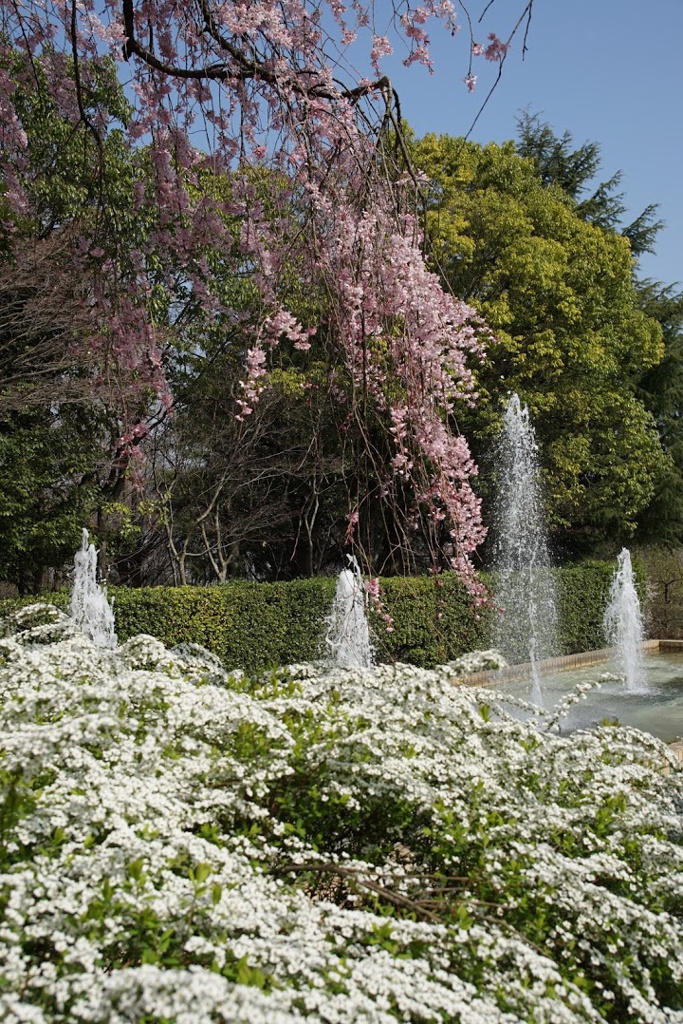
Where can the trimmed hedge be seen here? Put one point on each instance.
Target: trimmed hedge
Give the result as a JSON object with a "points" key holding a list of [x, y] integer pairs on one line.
{"points": [[257, 625], [433, 620], [582, 597], [248, 625]]}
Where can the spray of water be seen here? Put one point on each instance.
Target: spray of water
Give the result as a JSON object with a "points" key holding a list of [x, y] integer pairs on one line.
{"points": [[90, 609], [623, 624], [527, 627], [348, 631]]}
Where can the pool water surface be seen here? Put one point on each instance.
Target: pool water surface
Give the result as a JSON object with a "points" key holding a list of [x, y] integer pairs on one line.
{"points": [[656, 708]]}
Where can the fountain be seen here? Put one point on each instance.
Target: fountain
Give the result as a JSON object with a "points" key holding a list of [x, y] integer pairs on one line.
{"points": [[348, 632], [90, 609], [527, 627], [647, 693], [623, 624]]}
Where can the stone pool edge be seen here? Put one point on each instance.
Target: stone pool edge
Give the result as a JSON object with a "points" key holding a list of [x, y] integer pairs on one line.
{"points": [[569, 661]]}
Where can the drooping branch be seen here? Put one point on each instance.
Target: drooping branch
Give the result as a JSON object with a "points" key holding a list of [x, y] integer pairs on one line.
{"points": [[245, 68]]}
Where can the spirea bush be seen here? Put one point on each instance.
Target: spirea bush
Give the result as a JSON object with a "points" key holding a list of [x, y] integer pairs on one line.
{"points": [[183, 844]]}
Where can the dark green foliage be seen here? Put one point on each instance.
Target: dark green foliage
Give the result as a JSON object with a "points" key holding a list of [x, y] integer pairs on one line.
{"points": [[582, 592], [248, 625], [433, 620], [60, 396], [661, 391], [47, 491]]}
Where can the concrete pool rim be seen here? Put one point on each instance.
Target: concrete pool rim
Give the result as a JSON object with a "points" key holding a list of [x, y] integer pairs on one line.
{"points": [[566, 661]]}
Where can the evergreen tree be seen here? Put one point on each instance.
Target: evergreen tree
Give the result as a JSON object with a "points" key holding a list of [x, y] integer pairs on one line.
{"points": [[558, 161]]}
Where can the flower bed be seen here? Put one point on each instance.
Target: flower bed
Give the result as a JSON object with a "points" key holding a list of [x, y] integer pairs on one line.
{"points": [[179, 843]]}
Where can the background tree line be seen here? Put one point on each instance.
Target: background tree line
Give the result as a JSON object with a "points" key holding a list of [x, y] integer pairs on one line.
{"points": [[522, 232], [527, 235]]}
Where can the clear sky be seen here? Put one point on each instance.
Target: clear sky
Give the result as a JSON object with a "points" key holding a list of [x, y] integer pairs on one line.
{"points": [[609, 71]]}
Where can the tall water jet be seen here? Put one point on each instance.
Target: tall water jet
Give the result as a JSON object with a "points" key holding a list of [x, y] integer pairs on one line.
{"points": [[623, 624], [90, 608], [348, 632], [526, 629]]}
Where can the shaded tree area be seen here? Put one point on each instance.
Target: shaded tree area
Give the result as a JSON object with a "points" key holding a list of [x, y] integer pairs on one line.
{"points": [[60, 379], [240, 228], [287, 489], [661, 391]]}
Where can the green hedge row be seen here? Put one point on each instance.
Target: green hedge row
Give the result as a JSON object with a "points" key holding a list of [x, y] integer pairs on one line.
{"points": [[248, 625], [582, 597], [255, 625]]}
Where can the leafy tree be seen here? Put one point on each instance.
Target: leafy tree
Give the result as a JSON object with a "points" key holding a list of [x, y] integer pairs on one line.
{"points": [[572, 340], [48, 490], [218, 88], [61, 419], [661, 391], [270, 492], [264, 496], [660, 388]]}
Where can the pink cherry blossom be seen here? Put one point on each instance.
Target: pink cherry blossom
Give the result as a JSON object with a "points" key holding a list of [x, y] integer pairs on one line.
{"points": [[496, 49]]}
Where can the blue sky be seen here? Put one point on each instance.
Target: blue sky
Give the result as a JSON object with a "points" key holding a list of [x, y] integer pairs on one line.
{"points": [[609, 71]]}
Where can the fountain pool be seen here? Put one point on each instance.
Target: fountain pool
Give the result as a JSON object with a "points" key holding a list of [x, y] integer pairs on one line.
{"points": [[655, 707]]}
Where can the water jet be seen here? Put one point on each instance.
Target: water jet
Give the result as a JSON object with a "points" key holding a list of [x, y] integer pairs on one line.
{"points": [[90, 609], [623, 624], [526, 628], [348, 631]]}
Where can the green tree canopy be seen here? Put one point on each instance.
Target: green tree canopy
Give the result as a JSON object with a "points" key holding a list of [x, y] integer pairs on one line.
{"points": [[559, 161], [572, 338]]}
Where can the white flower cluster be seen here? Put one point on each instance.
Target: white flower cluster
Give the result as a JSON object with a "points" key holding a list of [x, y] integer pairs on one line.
{"points": [[477, 661], [183, 844]]}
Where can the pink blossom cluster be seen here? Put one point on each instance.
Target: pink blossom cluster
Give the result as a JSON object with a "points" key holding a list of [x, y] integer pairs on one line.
{"points": [[352, 521], [381, 47], [375, 592], [496, 49], [253, 385], [398, 325]]}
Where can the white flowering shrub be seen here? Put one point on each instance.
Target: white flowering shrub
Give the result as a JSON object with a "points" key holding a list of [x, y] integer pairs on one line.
{"points": [[180, 844], [477, 661]]}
